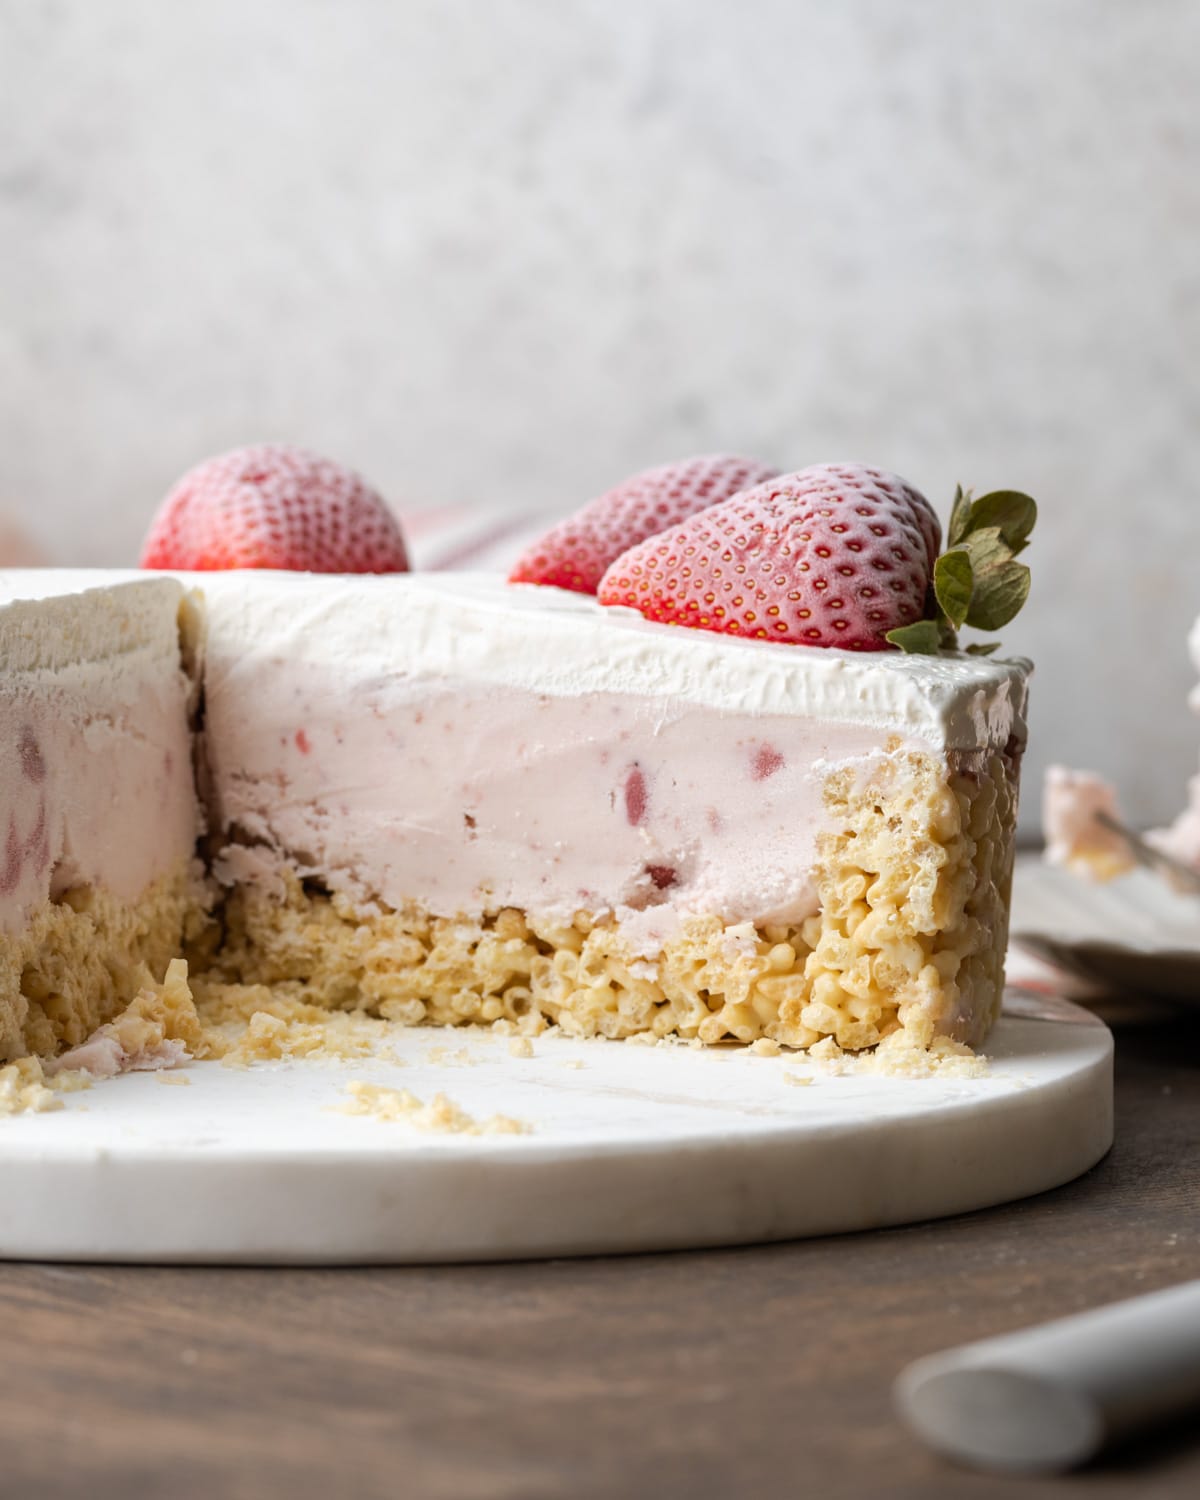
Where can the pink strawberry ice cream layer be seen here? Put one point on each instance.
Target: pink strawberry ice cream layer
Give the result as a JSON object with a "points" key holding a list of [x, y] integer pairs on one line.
{"points": [[474, 745], [552, 805], [96, 781]]}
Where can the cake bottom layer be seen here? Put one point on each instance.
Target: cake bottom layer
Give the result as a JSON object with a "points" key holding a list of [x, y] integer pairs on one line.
{"points": [[913, 878], [81, 959]]}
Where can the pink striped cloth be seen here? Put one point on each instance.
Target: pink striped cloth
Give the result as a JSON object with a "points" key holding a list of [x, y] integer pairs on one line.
{"points": [[16, 548], [461, 538], [466, 539]]}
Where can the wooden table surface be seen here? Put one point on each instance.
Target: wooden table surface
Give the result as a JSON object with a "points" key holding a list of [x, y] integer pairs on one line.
{"points": [[748, 1373]]}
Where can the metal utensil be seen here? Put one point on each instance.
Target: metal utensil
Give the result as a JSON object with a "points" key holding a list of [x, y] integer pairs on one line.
{"points": [[1049, 1398], [1181, 877]]}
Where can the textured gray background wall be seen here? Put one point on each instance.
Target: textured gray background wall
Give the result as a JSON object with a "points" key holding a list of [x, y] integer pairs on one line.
{"points": [[504, 251]]}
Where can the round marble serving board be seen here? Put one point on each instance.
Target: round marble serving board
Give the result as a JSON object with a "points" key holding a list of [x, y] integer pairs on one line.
{"points": [[631, 1148]]}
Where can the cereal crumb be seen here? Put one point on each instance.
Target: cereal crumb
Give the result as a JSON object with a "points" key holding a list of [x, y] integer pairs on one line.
{"points": [[797, 1080], [520, 1046], [828, 1056], [70, 1080], [441, 1115], [251, 1023], [765, 1046], [571, 1062], [24, 1089], [176, 1080], [444, 1058], [899, 1056]]}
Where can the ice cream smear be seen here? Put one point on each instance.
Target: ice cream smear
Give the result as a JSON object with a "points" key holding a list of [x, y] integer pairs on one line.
{"points": [[1073, 804]]}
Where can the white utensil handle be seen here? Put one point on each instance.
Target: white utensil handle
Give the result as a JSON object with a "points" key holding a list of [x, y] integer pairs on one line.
{"points": [[1049, 1398]]}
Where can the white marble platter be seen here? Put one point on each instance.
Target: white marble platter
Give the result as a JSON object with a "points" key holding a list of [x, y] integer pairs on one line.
{"points": [[630, 1148]]}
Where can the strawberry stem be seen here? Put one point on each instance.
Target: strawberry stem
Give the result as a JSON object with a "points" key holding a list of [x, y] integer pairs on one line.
{"points": [[976, 580]]}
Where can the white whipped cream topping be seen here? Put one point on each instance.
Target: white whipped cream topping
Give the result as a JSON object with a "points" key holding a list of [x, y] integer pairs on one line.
{"points": [[476, 627]]}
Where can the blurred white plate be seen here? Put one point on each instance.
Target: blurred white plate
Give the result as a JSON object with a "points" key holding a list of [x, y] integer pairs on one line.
{"points": [[1133, 934]]}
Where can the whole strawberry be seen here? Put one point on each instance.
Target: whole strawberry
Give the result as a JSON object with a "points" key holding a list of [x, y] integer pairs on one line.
{"points": [[834, 555], [272, 506], [575, 553]]}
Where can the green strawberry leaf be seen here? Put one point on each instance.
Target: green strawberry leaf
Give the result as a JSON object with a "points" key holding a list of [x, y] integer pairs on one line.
{"points": [[976, 581], [953, 583], [922, 638], [987, 549], [960, 516], [999, 594], [1011, 512]]}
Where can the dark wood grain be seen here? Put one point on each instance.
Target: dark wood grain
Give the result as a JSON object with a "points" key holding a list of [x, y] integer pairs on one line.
{"points": [[752, 1373]]}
